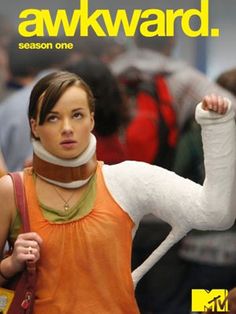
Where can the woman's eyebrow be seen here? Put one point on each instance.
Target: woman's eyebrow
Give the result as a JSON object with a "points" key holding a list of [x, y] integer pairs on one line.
{"points": [[79, 108]]}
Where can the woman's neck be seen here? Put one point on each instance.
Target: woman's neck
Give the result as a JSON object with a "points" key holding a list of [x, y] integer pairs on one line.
{"points": [[67, 173]]}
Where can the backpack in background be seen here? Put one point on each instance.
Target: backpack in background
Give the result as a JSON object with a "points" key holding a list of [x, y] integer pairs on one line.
{"points": [[151, 134]]}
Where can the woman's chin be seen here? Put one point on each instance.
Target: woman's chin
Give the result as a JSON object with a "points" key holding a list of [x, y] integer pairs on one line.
{"points": [[67, 155]]}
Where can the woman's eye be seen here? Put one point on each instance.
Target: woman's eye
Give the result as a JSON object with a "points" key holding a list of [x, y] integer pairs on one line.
{"points": [[52, 118], [77, 115]]}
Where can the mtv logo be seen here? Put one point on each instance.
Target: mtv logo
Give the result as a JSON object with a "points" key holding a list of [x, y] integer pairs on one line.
{"points": [[215, 300]]}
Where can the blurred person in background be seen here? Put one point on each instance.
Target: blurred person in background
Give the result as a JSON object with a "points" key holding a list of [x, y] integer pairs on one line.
{"points": [[106, 49], [23, 66], [227, 80], [6, 33], [31, 64], [187, 85]]}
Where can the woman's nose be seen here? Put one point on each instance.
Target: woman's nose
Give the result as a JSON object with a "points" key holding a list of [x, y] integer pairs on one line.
{"points": [[67, 127]]}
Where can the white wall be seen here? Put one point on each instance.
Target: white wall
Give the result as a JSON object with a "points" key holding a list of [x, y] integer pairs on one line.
{"points": [[222, 51]]}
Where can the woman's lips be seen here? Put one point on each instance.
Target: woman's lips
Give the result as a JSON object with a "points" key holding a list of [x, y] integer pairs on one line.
{"points": [[68, 144]]}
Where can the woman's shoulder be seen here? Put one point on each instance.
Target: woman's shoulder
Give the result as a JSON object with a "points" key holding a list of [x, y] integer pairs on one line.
{"points": [[6, 184], [7, 191]]}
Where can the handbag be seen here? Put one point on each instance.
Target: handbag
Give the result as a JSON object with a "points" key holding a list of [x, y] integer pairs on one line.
{"points": [[23, 284]]}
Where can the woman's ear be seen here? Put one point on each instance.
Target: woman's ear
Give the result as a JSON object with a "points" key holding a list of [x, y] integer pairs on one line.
{"points": [[92, 121], [34, 127]]}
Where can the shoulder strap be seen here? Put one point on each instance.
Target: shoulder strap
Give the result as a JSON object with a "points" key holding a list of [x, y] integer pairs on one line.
{"points": [[23, 300], [20, 199], [21, 204]]}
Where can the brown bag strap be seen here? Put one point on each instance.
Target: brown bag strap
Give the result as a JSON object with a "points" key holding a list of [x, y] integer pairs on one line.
{"points": [[20, 199], [21, 205]]}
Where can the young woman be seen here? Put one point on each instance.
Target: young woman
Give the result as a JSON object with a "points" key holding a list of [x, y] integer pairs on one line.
{"points": [[83, 213]]}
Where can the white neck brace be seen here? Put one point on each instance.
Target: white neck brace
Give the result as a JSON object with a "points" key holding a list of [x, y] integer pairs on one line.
{"points": [[82, 159]]}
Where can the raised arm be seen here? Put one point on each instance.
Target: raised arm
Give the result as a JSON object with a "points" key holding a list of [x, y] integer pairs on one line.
{"points": [[142, 188], [184, 204], [179, 201], [219, 140]]}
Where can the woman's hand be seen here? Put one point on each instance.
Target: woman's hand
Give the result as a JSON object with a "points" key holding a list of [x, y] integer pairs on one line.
{"points": [[26, 248], [215, 103]]}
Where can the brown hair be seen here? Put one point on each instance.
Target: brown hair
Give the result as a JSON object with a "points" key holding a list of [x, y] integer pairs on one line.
{"points": [[50, 88], [228, 80]]}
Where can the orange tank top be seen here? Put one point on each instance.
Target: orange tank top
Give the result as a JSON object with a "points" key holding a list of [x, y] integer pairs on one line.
{"points": [[85, 265]]}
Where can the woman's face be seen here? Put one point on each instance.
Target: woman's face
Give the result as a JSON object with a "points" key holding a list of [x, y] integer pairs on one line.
{"points": [[66, 130]]}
